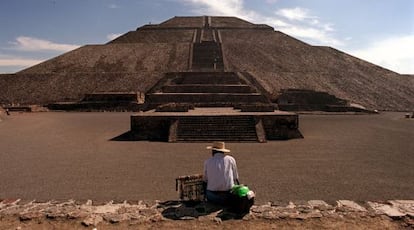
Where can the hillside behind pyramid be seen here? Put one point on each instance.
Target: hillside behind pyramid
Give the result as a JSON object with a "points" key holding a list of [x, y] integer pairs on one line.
{"points": [[137, 60]]}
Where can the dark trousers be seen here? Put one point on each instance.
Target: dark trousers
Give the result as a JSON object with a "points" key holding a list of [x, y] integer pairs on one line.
{"points": [[219, 197], [239, 205]]}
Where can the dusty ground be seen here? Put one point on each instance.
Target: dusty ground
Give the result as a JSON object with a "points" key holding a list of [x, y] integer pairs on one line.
{"points": [[352, 223], [58, 156], [71, 156]]}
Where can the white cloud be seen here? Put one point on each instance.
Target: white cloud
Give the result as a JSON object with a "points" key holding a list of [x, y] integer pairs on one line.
{"points": [[219, 7], [24, 43], [307, 26], [111, 37], [315, 35], [297, 22], [20, 62], [297, 13], [394, 53]]}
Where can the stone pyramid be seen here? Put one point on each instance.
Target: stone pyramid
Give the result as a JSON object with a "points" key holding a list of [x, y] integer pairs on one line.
{"points": [[273, 61]]}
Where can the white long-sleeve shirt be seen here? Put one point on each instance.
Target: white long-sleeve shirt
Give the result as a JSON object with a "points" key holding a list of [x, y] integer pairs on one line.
{"points": [[220, 172]]}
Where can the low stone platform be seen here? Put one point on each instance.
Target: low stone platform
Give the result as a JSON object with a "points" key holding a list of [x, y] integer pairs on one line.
{"points": [[103, 101], [210, 124], [90, 213]]}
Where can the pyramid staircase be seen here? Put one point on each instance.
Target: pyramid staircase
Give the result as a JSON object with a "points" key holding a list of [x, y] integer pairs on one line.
{"points": [[207, 54], [216, 128], [204, 89]]}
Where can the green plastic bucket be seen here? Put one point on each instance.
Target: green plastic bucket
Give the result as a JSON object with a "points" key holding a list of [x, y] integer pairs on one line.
{"points": [[240, 190]]}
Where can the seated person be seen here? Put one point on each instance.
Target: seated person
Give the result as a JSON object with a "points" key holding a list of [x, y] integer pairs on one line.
{"points": [[220, 174]]}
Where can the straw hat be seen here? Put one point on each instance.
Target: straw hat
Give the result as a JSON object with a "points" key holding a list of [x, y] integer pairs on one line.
{"points": [[219, 146]]}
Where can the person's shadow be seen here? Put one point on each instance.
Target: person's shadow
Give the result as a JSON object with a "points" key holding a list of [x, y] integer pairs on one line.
{"points": [[185, 210]]}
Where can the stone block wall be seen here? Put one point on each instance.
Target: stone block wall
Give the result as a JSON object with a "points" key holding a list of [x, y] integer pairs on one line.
{"points": [[281, 127], [152, 128]]}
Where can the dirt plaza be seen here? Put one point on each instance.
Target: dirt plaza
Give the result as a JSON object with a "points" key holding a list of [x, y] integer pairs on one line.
{"points": [[62, 156]]}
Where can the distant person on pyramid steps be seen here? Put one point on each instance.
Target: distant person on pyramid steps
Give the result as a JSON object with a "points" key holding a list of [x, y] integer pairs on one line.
{"points": [[222, 179]]}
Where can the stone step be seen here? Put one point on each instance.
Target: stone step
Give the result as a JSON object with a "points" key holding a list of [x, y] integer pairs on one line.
{"points": [[215, 129], [208, 67], [209, 79], [150, 106], [225, 127], [217, 120], [210, 128], [182, 76], [212, 98], [207, 88], [215, 132], [227, 139], [224, 137]]}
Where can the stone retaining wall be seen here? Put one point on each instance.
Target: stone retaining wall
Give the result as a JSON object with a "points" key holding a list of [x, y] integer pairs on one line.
{"points": [[91, 213]]}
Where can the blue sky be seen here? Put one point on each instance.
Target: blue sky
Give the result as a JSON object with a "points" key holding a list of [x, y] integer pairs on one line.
{"points": [[380, 31]]}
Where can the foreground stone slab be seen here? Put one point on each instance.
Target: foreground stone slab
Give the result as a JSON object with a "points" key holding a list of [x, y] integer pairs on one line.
{"points": [[394, 208], [89, 214], [350, 205], [406, 206]]}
